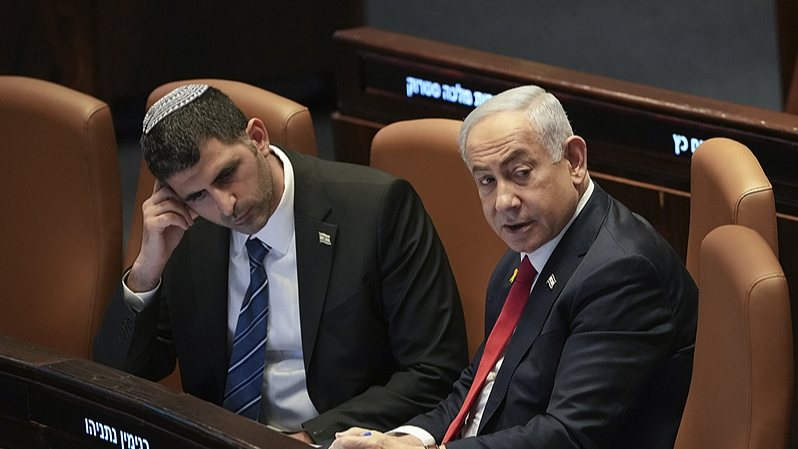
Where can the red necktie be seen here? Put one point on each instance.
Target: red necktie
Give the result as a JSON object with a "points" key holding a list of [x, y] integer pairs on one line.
{"points": [[499, 336]]}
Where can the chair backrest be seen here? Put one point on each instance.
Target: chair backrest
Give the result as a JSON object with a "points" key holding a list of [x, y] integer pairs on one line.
{"points": [[727, 186], [742, 385], [425, 152], [289, 124], [60, 192]]}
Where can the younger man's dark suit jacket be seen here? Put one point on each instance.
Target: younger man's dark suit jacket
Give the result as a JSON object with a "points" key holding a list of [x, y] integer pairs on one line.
{"points": [[382, 327], [602, 355]]}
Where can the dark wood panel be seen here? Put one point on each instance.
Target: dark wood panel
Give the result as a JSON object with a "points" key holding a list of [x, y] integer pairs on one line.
{"points": [[53, 40], [147, 43], [786, 18], [351, 136], [633, 131], [118, 50], [51, 399]]}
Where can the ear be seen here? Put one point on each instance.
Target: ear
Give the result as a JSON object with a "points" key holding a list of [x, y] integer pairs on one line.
{"points": [[575, 153], [256, 131]]}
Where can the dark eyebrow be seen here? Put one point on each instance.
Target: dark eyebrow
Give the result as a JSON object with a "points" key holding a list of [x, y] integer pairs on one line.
{"points": [[191, 196], [223, 173], [478, 168], [226, 171], [514, 157], [185, 199]]}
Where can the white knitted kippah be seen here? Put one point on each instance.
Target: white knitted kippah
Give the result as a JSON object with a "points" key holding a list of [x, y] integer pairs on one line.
{"points": [[171, 102]]}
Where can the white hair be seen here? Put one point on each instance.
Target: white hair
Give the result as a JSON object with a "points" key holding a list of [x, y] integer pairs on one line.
{"points": [[546, 116]]}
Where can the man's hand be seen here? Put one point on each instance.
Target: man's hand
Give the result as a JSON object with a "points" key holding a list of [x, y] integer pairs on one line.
{"points": [[302, 436], [358, 438], [166, 219]]}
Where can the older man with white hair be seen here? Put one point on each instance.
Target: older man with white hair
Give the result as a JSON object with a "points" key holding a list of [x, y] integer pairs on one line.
{"points": [[591, 316]]}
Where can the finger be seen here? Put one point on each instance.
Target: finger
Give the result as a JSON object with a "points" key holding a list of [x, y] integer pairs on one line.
{"points": [[162, 192], [349, 442], [358, 441], [161, 222], [353, 431], [168, 213], [161, 186], [157, 185], [156, 206]]}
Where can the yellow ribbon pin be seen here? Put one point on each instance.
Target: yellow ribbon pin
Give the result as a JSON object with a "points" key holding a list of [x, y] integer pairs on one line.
{"points": [[515, 273]]}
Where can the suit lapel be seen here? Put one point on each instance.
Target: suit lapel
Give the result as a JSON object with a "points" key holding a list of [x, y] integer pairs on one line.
{"points": [[210, 257], [315, 248], [560, 266]]}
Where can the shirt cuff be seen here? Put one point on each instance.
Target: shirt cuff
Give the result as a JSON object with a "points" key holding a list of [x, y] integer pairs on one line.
{"points": [[425, 437], [137, 301]]}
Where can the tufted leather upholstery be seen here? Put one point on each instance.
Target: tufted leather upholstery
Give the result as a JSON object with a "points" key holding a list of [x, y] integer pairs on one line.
{"points": [[425, 152], [61, 233], [741, 391], [727, 186]]}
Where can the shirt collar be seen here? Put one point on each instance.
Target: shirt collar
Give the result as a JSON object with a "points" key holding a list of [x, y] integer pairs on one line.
{"points": [[280, 228], [540, 256]]}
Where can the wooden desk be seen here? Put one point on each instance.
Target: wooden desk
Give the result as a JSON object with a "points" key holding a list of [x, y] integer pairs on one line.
{"points": [[51, 399], [640, 138], [638, 134], [787, 33]]}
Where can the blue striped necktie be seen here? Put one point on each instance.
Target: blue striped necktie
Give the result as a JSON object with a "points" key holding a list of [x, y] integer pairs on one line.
{"points": [[245, 374]]}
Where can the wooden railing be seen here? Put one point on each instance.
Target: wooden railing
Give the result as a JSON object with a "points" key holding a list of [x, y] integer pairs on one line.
{"points": [[51, 399]]}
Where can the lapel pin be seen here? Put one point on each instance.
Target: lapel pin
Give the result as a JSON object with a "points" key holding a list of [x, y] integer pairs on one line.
{"points": [[551, 281], [324, 238], [512, 278]]}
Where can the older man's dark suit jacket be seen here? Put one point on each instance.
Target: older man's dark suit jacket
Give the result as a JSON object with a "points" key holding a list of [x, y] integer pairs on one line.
{"points": [[602, 355], [382, 327]]}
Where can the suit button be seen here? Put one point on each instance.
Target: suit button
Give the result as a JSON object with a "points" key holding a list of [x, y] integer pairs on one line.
{"points": [[124, 333]]}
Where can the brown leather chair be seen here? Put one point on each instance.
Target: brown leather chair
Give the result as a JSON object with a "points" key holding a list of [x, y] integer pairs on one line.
{"points": [[60, 192], [727, 186], [289, 124], [742, 386], [425, 152]]}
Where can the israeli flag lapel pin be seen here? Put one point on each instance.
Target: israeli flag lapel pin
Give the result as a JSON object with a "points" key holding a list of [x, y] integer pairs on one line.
{"points": [[324, 238], [551, 281]]}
